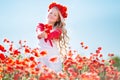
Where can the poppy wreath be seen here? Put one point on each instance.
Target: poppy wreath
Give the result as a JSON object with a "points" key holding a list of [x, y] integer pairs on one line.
{"points": [[61, 8]]}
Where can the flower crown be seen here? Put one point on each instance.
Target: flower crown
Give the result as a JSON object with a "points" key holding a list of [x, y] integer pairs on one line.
{"points": [[61, 8]]}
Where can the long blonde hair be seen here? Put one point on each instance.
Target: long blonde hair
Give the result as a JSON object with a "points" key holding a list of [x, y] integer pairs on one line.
{"points": [[64, 39]]}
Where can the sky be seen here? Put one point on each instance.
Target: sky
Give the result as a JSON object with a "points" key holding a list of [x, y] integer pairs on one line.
{"points": [[95, 22]]}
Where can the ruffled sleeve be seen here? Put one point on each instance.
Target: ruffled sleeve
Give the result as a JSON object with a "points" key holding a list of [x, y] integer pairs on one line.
{"points": [[55, 34]]}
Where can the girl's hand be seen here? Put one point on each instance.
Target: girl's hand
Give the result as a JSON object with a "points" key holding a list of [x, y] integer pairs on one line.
{"points": [[42, 35]]}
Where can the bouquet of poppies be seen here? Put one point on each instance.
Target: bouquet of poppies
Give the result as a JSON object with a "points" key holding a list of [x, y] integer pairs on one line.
{"points": [[44, 27]]}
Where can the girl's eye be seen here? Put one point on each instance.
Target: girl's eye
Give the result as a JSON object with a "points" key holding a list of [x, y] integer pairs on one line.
{"points": [[55, 14]]}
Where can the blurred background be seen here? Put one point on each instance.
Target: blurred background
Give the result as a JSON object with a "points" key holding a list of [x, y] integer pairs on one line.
{"points": [[95, 22]]}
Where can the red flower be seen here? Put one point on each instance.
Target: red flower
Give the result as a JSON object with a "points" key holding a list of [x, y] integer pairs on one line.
{"points": [[61, 8], [9, 61], [2, 56], [62, 75], [70, 70], [103, 60], [16, 52], [44, 27], [101, 55], [27, 50], [6, 40], [111, 61], [37, 69], [20, 42], [86, 47], [79, 67], [97, 51], [110, 54], [47, 28], [40, 27], [32, 65], [16, 76], [35, 52], [9, 68], [2, 48], [43, 53], [11, 48], [70, 54], [99, 48], [31, 58], [53, 59], [82, 43], [18, 62]]}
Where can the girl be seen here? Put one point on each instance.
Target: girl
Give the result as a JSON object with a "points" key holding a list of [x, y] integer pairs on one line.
{"points": [[53, 37]]}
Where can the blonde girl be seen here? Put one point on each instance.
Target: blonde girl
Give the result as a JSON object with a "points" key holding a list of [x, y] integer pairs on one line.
{"points": [[54, 40]]}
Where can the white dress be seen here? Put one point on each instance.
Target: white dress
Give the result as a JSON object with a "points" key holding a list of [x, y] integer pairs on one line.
{"points": [[52, 51]]}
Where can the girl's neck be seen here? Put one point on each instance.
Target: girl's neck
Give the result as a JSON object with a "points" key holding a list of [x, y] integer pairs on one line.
{"points": [[50, 23]]}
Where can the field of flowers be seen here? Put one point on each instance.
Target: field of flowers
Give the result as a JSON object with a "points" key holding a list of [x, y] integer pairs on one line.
{"points": [[15, 66]]}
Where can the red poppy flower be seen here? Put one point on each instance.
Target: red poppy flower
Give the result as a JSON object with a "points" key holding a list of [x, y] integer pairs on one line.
{"points": [[2, 48], [18, 62], [2, 56], [31, 58], [16, 76], [101, 55], [35, 52], [97, 51], [99, 48], [70, 70], [16, 52], [27, 50], [82, 43], [10, 48], [110, 54], [40, 27], [86, 47], [70, 54], [47, 28], [6, 40], [111, 61], [43, 53], [9, 61], [53, 59], [9, 68], [79, 67], [20, 42], [103, 60], [32, 65], [37, 69], [62, 75]]}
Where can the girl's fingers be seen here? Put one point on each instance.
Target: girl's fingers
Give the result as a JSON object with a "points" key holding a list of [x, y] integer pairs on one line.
{"points": [[39, 36], [42, 35]]}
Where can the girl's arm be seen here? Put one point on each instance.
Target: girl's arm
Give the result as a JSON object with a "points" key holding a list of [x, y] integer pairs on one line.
{"points": [[55, 34]]}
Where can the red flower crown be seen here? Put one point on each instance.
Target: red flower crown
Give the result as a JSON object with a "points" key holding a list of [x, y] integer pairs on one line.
{"points": [[61, 8]]}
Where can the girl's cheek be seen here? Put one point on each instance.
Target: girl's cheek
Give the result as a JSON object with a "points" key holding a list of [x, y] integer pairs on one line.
{"points": [[56, 19]]}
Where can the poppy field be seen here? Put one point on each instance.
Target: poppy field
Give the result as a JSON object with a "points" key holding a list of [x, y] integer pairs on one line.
{"points": [[19, 63]]}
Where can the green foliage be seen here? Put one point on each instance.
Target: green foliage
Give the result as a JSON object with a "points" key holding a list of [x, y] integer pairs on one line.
{"points": [[117, 62]]}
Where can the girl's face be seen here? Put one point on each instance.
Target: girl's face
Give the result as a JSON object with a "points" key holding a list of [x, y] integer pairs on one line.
{"points": [[53, 16]]}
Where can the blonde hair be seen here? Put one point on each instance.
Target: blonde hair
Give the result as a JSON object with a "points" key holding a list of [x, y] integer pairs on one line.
{"points": [[64, 39]]}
